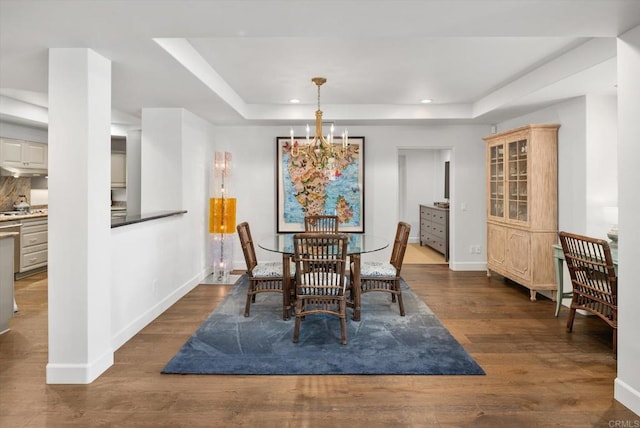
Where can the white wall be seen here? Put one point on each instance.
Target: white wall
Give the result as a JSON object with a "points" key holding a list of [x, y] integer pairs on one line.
{"points": [[572, 158], [155, 263], [602, 163], [22, 132], [627, 385], [161, 165], [254, 176]]}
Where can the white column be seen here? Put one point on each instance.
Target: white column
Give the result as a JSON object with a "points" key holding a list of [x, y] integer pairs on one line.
{"points": [[79, 218], [627, 384], [134, 139]]}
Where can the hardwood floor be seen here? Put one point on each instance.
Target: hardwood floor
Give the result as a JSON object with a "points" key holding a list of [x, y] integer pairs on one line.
{"points": [[417, 254], [537, 373]]}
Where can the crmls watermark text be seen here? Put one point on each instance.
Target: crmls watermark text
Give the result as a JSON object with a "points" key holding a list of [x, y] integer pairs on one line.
{"points": [[624, 424]]}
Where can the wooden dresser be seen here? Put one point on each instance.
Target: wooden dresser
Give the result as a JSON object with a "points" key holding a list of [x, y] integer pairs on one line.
{"points": [[434, 228], [522, 205]]}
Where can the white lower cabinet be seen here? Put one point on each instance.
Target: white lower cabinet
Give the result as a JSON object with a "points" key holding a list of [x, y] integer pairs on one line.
{"points": [[33, 244]]}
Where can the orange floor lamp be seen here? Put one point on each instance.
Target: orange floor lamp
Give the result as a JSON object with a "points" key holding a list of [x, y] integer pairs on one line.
{"points": [[222, 218]]}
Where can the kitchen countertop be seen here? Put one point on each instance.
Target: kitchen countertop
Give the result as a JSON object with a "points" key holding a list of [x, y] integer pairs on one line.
{"points": [[21, 216]]}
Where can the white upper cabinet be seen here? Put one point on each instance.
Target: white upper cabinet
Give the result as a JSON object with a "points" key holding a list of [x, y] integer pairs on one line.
{"points": [[23, 154]]}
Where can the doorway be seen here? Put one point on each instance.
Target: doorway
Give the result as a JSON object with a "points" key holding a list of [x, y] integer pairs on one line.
{"points": [[422, 181]]}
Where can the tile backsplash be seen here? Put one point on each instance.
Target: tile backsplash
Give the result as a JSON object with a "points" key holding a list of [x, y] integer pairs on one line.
{"points": [[10, 188]]}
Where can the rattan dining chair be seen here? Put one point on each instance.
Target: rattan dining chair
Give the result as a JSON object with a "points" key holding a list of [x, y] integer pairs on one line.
{"points": [[385, 277], [265, 277], [321, 223], [320, 260], [594, 279]]}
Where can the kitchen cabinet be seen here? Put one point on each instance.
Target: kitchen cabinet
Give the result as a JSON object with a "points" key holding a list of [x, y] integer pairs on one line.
{"points": [[23, 154], [33, 244], [522, 205], [434, 229], [118, 170]]}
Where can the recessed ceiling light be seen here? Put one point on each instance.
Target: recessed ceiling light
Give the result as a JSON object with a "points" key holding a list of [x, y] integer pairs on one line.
{"points": [[294, 101], [426, 101]]}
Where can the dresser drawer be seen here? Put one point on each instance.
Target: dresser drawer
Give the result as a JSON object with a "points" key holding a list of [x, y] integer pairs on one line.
{"points": [[34, 238], [435, 242], [439, 217], [34, 259], [438, 230]]}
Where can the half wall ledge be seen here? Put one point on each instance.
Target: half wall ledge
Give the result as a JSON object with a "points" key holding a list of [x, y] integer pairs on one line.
{"points": [[140, 218]]}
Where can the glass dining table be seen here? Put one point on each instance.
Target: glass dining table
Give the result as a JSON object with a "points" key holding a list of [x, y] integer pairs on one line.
{"points": [[359, 243]]}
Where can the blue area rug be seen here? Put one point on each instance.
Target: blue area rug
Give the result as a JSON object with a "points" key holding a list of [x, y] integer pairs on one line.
{"points": [[383, 342]]}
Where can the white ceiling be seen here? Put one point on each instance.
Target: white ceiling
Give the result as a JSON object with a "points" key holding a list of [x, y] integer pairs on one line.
{"points": [[240, 62]]}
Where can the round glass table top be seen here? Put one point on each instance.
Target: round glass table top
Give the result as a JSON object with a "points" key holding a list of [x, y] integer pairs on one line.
{"points": [[359, 243]]}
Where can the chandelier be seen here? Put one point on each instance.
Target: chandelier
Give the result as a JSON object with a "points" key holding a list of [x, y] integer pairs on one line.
{"points": [[320, 150]]}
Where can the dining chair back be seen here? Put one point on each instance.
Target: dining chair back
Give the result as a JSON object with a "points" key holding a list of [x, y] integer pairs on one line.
{"points": [[385, 277], [321, 223], [264, 277], [320, 260], [594, 279]]}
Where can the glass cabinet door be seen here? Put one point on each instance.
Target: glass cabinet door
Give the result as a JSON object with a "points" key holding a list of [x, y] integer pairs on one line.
{"points": [[517, 181], [496, 180]]}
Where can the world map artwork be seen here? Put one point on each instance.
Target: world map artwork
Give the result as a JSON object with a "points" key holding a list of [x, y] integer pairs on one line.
{"points": [[328, 186]]}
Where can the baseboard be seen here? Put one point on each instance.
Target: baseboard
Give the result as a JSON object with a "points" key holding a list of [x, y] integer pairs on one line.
{"points": [[81, 374], [627, 395], [467, 266], [121, 337]]}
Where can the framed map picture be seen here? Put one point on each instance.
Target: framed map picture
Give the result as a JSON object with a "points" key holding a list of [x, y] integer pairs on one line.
{"points": [[325, 180]]}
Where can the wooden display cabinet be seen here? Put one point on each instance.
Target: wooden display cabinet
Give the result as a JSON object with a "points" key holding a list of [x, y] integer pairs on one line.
{"points": [[522, 205]]}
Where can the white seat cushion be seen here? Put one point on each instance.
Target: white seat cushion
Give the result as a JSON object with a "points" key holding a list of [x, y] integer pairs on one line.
{"points": [[271, 269], [330, 278], [377, 269]]}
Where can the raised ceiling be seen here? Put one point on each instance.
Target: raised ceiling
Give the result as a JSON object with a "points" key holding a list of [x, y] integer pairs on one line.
{"points": [[240, 62]]}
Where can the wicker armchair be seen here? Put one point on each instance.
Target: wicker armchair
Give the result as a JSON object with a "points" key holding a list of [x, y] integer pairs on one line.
{"points": [[594, 279], [320, 260], [263, 277], [385, 277], [321, 223]]}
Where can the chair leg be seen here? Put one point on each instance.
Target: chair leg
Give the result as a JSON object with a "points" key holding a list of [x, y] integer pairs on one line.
{"points": [[343, 321], [398, 291], [296, 328], [247, 307], [572, 315], [286, 310], [615, 343], [400, 303]]}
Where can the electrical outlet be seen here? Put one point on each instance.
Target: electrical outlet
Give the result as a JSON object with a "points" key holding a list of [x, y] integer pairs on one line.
{"points": [[474, 249]]}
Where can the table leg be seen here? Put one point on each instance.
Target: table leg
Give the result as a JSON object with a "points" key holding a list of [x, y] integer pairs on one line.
{"points": [[355, 292], [286, 286], [557, 261]]}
